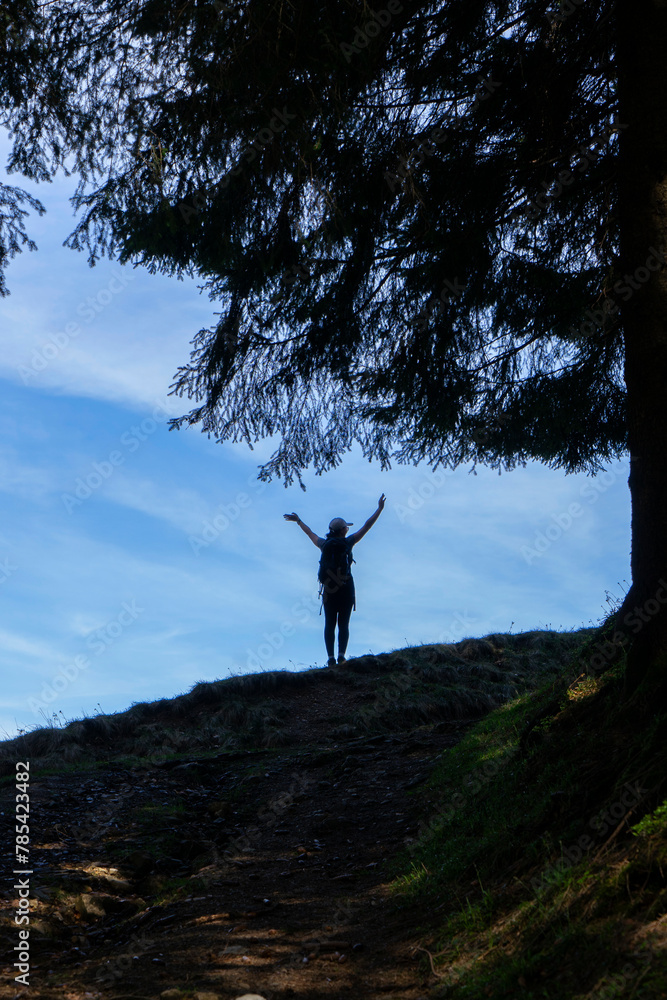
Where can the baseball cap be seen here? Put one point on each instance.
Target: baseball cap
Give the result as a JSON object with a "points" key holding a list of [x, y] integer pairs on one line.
{"points": [[339, 522]]}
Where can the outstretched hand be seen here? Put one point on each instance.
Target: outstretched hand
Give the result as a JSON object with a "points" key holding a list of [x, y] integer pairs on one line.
{"points": [[381, 502], [291, 517]]}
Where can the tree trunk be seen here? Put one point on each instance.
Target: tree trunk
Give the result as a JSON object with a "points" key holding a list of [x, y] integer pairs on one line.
{"points": [[642, 186]]}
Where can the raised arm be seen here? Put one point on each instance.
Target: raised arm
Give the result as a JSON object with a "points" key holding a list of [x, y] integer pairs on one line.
{"points": [[354, 538], [315, 539]]}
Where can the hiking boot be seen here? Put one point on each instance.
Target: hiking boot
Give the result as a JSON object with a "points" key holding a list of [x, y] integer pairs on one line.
{"points": [[332, 661], [341, 659]]}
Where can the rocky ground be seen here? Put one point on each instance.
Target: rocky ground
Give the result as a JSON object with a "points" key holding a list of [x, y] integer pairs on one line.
{"points": [[246, 868], [263, 871]]}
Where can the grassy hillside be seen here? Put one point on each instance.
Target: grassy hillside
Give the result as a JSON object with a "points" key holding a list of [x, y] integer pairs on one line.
{"points": [[544, 850], [480, 819], [399, 690]]}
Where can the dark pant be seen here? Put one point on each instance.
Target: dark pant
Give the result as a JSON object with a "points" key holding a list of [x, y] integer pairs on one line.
{"points": [[337, 610]]}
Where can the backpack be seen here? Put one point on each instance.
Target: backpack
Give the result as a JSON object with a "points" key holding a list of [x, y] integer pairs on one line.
{"points": [[335, 563]]}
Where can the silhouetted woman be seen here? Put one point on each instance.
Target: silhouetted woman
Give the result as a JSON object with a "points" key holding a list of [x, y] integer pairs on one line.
{"points": [[338, 598]]}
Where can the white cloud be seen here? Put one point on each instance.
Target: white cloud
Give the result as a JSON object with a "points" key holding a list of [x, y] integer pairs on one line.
{"points": [[183, 509], [12, 642], [111, 332]]}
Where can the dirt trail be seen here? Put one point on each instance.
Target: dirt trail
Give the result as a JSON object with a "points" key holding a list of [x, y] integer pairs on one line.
{"points": [[262, 871]]}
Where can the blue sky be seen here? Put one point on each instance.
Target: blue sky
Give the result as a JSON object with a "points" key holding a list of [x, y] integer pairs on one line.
{"points": [[135, 561]]}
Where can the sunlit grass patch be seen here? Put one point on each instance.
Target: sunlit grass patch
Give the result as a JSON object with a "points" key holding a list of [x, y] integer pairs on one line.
{"points": [[523, 855], [653, 824], [582, 688]]}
